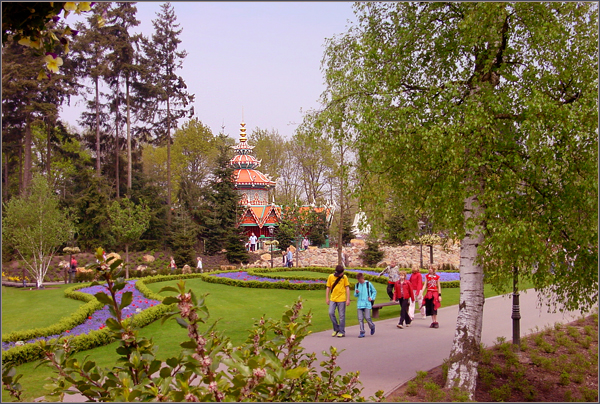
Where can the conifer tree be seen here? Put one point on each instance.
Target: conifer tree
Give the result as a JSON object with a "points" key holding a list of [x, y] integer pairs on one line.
{"points": [[121, 70], [167, 98], [183, 238], [90, 55], [222, 198]]}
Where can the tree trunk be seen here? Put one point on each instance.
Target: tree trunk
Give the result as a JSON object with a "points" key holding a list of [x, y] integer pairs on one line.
{"points": [[128, 139], [20, 165], [342, 210], [118, 185], [168, 163], [27, 157], [464, 355], [98, 171], [48, 143], [5, 172]]}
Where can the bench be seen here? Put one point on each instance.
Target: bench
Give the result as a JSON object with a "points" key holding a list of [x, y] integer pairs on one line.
{"points": [[376, 307]]}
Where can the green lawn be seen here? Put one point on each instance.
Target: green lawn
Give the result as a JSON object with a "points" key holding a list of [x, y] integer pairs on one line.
{"points": [[23, 309], [236, 308]]}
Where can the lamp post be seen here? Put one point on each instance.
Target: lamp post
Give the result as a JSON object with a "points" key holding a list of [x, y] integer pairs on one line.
{"points": [[271, 231], [516, 313], [421, 226]]}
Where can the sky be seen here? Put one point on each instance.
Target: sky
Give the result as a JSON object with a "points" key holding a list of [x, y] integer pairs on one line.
{"points": [[259, 59]]}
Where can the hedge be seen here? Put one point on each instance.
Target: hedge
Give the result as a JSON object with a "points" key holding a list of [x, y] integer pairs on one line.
{"points": [[30, 352], [66, 323], [259, 284], [368, 277], [96, 338]]}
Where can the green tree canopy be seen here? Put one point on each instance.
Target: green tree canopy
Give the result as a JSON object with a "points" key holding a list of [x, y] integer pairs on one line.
{"points": [[484, 116], [36, 227], [127, 223]]}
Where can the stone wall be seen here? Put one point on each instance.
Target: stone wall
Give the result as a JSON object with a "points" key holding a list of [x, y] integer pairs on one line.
{"points": [[405, 256]]}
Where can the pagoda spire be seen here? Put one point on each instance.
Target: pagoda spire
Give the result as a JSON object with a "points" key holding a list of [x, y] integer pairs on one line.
{"points": [[243, 136]]}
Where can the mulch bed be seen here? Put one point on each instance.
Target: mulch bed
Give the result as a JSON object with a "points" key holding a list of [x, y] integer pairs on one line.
{"points": [[554, 365]]}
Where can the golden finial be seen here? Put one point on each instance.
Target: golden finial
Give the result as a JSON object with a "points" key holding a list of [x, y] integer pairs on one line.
{"points": [[243, 132]]}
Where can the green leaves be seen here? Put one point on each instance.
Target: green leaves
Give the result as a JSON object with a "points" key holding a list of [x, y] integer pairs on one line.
{"points": [[126, 300], [35, 226], [296, 373], [103, 298]]}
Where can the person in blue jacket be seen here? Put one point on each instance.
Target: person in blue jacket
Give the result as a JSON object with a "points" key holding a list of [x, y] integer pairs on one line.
{"points": [[366, 293]]}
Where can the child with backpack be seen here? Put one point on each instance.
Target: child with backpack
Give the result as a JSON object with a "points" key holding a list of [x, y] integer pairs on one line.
{"points": [[340, 298], [366, 293]]}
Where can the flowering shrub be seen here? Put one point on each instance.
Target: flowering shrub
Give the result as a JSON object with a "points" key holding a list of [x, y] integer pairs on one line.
{"points": [[270, 366]]}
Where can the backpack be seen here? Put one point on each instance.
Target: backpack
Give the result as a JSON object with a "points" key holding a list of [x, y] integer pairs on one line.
{"points": [[369, 293]]}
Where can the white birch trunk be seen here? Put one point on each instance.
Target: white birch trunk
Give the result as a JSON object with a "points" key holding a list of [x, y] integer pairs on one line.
{"points": [[464, 355]]}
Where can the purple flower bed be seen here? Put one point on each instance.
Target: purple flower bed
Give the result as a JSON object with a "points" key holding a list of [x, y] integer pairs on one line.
{"points": [[97, 321], [244, 276], [444, 276]]}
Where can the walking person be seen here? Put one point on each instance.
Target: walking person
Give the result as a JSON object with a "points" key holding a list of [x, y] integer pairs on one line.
{"points": [[416, 281], [172, 265], [290, 257], [366, 293], [199, 265], [393, 274], [73, 269], [433, 298], [338, 288], [403, 293]]}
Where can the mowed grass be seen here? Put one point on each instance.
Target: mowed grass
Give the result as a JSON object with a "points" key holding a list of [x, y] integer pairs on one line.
{"points": [[236, 310], [23, 309]]}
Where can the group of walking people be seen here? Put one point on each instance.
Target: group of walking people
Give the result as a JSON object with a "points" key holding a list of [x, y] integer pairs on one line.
{"points": [[400, 289]]}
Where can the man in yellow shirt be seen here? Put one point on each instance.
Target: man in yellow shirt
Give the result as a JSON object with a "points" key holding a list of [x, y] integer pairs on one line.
{"points": [[339, 288]]}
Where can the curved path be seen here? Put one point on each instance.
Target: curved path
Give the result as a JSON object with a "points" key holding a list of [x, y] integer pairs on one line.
{"points": [[392, 356]]}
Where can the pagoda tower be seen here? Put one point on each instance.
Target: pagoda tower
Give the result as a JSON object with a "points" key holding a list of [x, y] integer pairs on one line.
{"points": [[253, 187]]}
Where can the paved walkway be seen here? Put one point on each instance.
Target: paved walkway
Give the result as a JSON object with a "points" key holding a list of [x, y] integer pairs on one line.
{"points": [[392, 356]]}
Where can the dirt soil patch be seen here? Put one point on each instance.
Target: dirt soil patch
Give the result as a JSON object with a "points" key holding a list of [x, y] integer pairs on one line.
{"points": [[557, 364]]}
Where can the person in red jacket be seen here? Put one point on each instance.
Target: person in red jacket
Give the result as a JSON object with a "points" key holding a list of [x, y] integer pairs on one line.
{"points": [[433, 298], [403, 293], [416, 281]]}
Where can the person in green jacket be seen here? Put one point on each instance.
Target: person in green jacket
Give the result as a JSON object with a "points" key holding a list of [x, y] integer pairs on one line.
{"points": [[366, 293]]}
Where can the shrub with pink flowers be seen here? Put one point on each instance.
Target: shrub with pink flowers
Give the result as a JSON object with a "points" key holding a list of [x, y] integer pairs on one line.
{"points": [[270, 366]]}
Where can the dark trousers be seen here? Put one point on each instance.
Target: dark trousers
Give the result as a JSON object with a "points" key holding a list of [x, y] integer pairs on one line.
{"points": [[404, 303], [390, 290]]}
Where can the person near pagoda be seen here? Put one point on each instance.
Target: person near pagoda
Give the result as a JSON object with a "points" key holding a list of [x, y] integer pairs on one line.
{"points": [[252, 240], [305, 244]]}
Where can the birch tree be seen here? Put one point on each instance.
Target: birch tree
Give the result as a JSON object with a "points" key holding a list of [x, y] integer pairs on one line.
{"points": [[36, 227], [484, 116]]}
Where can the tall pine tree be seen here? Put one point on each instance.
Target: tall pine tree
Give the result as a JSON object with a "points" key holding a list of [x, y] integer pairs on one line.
{"points": [[168, 100], [90, 55], [220, 223], [122, 70]]}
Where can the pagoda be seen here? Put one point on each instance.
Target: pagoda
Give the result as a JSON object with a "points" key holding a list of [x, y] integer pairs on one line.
{"points": [[253, 186]]}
